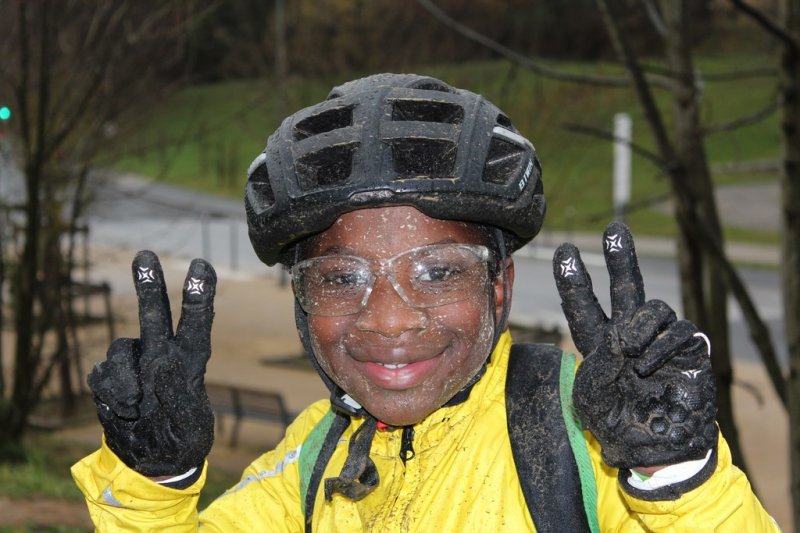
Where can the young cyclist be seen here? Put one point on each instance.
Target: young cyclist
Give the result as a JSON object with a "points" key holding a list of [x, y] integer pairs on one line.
{"points": [[396, 204]]}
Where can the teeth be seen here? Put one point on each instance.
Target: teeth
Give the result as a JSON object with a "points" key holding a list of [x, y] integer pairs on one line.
{"points": [[393, 367]]}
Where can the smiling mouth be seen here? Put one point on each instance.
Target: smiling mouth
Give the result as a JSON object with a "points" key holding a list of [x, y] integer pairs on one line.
{"points": [[400, 376]]}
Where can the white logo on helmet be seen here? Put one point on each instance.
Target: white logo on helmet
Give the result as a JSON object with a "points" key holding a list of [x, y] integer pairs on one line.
{"points": [[524, 181], [518, 140]]}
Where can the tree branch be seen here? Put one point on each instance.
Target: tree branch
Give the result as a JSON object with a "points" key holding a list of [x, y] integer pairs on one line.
{"points": [[691, 219], [768, 24], [747, 120], [24, 81], [770, 166], [641, 85], [735, 75], [526, 62], [631, 208], [758, 330], [45, 79], [655, 17], [608, 136], [102, 20]]}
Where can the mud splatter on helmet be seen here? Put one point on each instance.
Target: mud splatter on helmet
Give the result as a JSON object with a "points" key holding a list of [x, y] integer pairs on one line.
{"points": [[393, 139]]}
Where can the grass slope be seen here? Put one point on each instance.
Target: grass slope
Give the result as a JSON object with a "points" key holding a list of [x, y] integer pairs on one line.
{"points": [[45, 475], [205, 136]]}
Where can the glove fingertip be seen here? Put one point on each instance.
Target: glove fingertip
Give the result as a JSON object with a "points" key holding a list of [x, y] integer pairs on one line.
{"points": [[566, 262], [200, 266]]}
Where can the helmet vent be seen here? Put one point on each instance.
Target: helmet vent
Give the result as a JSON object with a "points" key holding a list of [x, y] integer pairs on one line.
{"points": [[327, 166], [503, 161], [423, 158], [261, 187], [505, 122], [427, 111], [432, 85], [328, 120]]}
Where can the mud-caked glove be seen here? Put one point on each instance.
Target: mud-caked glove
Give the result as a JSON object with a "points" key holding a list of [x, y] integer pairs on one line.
{"points": [[150, 391], [645, 388]]}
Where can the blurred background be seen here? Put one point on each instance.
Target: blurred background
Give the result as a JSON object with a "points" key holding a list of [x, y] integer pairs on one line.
{"points": [[131, 124]]}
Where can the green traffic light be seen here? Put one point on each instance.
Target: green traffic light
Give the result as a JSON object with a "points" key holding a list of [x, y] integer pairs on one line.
{"points": [[5, 113]]}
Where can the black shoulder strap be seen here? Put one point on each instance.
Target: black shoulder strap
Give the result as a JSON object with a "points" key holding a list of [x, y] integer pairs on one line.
{"points": [[543, 454], [537, 406], [315, 454]]}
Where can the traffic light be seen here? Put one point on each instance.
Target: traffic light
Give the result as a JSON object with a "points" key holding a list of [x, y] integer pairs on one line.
{"points": [[5, 113]]}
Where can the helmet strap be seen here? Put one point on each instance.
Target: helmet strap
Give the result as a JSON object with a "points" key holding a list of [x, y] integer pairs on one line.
{"points": [[340, 400], [500, 326]]}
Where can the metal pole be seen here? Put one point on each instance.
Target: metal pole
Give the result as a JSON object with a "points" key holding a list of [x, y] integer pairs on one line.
{"points": [[206, 238], [623, 127], [234, 246]]}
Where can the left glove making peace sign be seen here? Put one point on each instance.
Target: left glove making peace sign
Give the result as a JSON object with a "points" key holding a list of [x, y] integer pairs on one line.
{"points": [[150, 391], [645, 388]]}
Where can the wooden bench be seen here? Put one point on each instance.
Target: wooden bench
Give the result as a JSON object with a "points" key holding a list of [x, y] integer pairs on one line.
{"points": [[246, 403]]}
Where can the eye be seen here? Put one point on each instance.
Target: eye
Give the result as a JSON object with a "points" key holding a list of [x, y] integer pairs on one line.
{"points": [[342, 278], [437, 273]]}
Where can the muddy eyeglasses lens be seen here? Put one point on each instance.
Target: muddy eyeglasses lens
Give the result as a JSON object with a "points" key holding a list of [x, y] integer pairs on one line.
{"points": [[427, 276]]}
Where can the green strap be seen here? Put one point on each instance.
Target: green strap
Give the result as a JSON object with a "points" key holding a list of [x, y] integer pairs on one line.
{"points": [[309, 453], [577, 442]]}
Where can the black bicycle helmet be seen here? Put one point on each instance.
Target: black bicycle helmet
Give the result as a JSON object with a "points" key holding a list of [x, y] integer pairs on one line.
{"points": [[393, 139]]}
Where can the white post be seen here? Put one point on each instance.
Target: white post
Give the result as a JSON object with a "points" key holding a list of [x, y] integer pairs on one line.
{"points": [[623, 127]]}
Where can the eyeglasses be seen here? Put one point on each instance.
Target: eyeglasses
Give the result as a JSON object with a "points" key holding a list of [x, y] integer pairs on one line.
{"points": [[427, 276]]}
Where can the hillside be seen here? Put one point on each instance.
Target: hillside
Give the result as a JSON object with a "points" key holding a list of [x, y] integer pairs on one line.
{"points": [[205, 137]]}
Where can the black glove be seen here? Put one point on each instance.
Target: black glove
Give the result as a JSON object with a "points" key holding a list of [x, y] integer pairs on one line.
{"points": [[149, 392], [645, 388]]}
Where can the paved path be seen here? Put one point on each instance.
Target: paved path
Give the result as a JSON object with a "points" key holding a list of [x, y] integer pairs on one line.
{"points": [[136, 213], [753, 206]]}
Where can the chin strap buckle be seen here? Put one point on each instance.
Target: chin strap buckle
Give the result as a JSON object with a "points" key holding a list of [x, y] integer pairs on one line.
{"points": [[345, 404]]}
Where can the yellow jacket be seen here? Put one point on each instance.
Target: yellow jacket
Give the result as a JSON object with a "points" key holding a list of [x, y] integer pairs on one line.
{"points": [[462, 478]]}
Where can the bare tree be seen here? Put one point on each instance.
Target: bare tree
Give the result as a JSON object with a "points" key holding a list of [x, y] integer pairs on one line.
{"points": [[786, 30], [703, 292], [77, 72], [682, 158]]}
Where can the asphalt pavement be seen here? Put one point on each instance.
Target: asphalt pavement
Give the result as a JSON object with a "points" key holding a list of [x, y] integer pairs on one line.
{"points": [[141, 213], [133, 213]]}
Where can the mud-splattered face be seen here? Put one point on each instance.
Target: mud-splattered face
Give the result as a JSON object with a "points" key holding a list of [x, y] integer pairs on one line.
{"points": [[398, 361]]}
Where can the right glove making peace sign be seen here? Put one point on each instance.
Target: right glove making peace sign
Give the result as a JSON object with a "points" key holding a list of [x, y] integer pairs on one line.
{"points": [[645, 388], [150, 391]]}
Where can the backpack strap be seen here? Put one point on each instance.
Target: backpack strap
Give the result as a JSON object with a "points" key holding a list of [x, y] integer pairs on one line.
{"points": [[315, 454], [550, 453], [561, 495]]}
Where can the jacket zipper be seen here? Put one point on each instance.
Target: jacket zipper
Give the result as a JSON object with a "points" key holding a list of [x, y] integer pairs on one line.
{"points": [[407, 444]]}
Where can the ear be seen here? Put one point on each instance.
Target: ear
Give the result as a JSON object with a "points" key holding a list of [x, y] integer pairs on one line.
{"points": [[499, 297]]}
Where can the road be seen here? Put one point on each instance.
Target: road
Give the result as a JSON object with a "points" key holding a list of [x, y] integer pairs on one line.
{"points": [[134, 213], [131, 212], [535, 297]]}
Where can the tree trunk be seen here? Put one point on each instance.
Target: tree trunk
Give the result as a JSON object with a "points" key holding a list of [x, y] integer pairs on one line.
{"points": [[2, 305], [705, 294], [790, 241], [58, 298], [82, 45], [15, 414]]}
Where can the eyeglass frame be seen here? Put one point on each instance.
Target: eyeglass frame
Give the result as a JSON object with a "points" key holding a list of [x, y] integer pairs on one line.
{"points": [[386, 270]]}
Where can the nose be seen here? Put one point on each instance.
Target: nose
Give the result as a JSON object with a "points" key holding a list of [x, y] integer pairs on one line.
{"points": [[386, 313]]}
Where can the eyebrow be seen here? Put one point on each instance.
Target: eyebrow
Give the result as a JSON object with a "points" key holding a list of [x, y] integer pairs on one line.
{"points": [[336, 249]]}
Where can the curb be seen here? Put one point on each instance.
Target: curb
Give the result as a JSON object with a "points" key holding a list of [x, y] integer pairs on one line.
{"points": [[590, 244]]}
